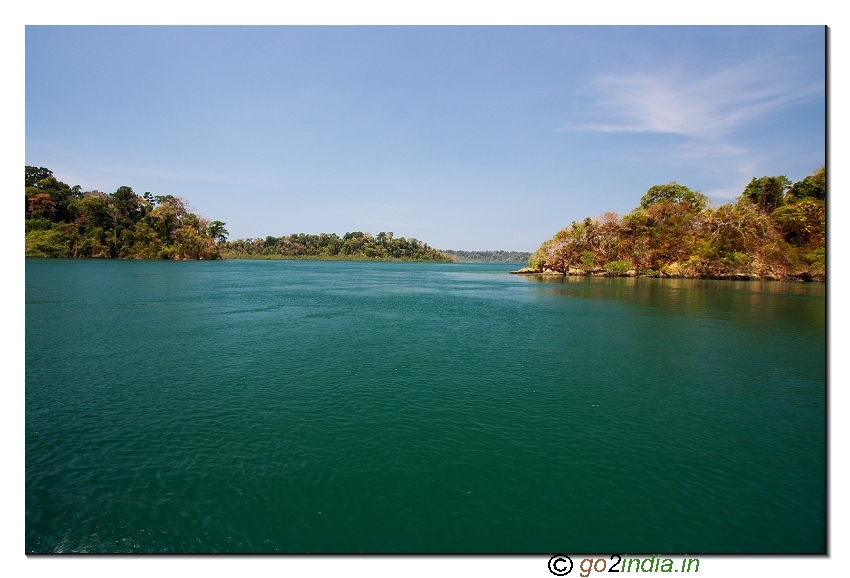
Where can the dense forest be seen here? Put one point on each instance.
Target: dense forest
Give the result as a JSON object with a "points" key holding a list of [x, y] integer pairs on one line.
{"points": [[354, 245], [489, 256], [65, 221], [773, 230]]}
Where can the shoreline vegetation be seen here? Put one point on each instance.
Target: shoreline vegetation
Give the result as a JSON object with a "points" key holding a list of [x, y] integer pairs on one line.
{"points": [[64, 221], [489, 256], [774, 230], [354, 246]]}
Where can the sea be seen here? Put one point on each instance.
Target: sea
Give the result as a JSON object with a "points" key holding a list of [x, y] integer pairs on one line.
{"points": [[394, 407]]}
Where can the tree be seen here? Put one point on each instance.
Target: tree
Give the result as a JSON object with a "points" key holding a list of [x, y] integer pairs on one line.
{"points": [[92, 210], [812, 187], [163, 219], [41, 205], [666, 236], [41, 181], [36, 174], [802, 223], [767, 193], [63, 221], [127, 202], [51, 243], [674, 193], [176, 203]]}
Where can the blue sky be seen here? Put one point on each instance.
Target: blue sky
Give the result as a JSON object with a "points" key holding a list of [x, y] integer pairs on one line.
{"points": [[463, 137]]}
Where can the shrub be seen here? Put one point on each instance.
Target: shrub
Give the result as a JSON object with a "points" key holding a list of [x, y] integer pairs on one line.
{"points": [[588, 260], [736, 258], [50, 243], [37, 225], [816, 258], [617, 267]]}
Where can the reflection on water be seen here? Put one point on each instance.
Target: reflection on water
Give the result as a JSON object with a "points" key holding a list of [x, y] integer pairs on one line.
{"points": [[778, 287], [768, 301]]}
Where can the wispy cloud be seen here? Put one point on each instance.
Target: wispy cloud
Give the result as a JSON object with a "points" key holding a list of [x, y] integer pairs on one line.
{"points": [[709, 111], [709, 107]]}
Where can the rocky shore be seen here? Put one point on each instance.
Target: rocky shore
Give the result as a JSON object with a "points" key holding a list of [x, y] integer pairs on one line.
{"points": [[675, 273]]}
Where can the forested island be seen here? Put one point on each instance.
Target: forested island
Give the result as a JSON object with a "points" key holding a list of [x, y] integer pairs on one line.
{"points": [[773, 230], [65, 221], [489, 256], [351, 246]]}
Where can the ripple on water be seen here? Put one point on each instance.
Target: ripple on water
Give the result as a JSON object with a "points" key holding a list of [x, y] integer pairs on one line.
{"points": [[378, 407]]}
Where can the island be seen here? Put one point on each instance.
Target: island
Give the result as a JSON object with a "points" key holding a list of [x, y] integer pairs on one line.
{"points": [[774, 230], [65, 221], [351, 246], [489, 256]]}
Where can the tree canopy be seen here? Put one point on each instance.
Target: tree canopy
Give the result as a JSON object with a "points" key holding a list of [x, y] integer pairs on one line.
{"points": [[674, 193], [489, 256], [64, 221], [773, 230], [352, 245], [768, 192], [812, 187]]}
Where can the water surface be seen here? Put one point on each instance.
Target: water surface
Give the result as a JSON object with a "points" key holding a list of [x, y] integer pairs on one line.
{"points": [[310, 406]]}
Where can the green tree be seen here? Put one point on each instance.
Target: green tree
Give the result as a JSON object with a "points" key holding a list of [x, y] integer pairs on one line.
{"points": [[767, 193], [51, 243], [811, 187], [218, 232], [674, 193], [91, 210], [803, 223], [667, 236], [34, 175], [126, 202]]}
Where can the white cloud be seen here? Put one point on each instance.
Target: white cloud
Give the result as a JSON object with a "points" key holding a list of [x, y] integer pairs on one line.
{"points": [[708, 113], [709, 107]]}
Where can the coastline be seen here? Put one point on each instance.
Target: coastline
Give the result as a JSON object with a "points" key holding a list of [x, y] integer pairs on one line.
{"points": [[250, 258], [803, 277], [328, 258]]}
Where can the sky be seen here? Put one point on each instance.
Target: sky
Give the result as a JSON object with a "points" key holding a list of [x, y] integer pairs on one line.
{"points": [[474, 138]]}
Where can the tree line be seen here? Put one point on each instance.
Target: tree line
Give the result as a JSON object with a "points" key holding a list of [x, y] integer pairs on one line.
{"points": [[489, 256], [775, 230], [64, 221], [353, 245]]}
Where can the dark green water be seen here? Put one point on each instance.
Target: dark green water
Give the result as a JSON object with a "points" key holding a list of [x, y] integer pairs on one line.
{"points": [[308, 406]]}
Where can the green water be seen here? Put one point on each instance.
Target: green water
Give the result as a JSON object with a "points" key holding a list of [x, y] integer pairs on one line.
{"points": [[308, 406]]}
